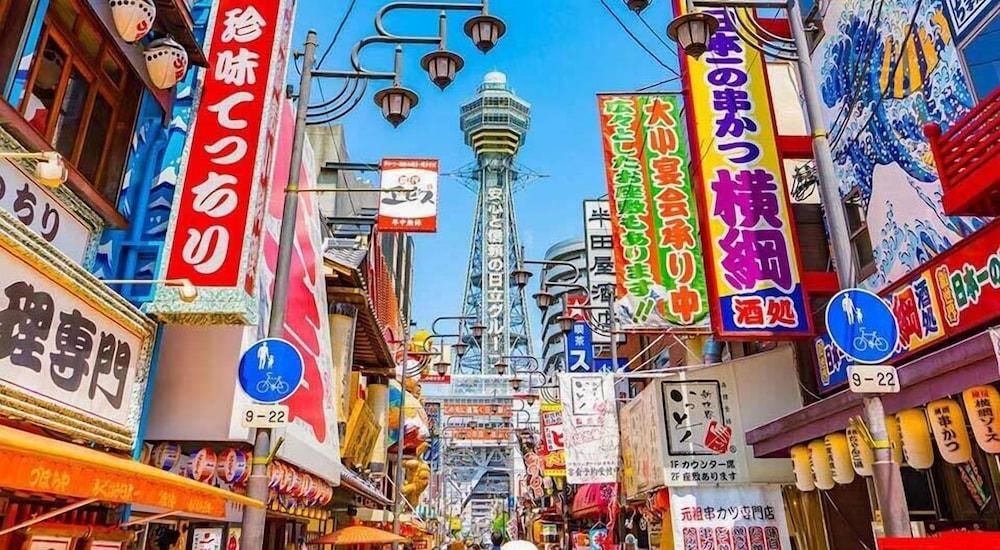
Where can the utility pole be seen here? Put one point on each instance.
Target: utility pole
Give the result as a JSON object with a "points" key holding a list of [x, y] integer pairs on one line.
{"points": [[888, 479], [397, 493], [257, 486]]}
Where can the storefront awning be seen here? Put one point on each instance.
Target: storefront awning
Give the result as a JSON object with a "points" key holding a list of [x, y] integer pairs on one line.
{"points": [[592, 500], [43, 465], [350, 481], [942, 373]]}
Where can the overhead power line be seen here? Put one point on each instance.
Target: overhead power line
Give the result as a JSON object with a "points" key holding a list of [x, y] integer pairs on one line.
{"points": [[635, 39]]}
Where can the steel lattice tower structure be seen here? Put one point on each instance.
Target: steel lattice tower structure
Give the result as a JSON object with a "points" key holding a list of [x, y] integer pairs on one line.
{"points": [[495, 123]]}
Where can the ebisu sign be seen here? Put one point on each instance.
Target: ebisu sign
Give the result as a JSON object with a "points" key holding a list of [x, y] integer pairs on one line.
{"points": [[751, 248], [214, 237], [657, 243]]}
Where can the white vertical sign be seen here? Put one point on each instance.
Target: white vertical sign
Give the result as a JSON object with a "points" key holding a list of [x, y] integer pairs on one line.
{"points": [[495, 274], [600, 262], [590, 427]]}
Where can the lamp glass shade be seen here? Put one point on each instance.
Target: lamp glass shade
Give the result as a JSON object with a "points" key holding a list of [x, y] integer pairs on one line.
{"points": [[396, 103], [459, 348], [441, 66], [637, 5], [566, 324], [543, 300], [501, 367], [441, 367], [692, 32], [520, 277], [485, 31], [477, 330]]}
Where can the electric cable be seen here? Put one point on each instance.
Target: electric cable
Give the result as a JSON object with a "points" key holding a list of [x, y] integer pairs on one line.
{"points": [[635, 38], [336, 34]]}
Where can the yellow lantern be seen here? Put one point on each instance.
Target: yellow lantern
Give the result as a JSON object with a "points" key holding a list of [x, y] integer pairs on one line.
{"points": [[948, 424], [983, 404], [916, 438], [895, 439], [840, 456], [862, 454], [800, 465], [820, 461]]}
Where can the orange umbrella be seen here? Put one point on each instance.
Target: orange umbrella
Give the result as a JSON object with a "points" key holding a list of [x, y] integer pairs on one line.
{"points": [[359, 534]]}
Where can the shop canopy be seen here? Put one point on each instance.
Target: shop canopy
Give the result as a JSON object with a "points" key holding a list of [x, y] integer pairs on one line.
{"points": [[43, 465], [592, 500], [358, 534]]}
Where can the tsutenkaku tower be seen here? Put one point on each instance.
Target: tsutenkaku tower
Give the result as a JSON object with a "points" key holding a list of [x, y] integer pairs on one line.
{"points": [[495, 123]]}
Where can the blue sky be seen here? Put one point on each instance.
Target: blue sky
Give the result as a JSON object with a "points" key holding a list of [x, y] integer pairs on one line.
{"points": [[557, 55]]}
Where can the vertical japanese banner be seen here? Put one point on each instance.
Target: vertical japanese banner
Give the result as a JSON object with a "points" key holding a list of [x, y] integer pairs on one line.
{"points": [[745, 517], [214, 237], [753, 255], [600, 263], [658, 253], [590, 427], [414, 208]]}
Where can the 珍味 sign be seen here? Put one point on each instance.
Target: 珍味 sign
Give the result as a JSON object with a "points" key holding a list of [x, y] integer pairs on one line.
{"points": [[215, 237], [746, 213], [657, 242]]}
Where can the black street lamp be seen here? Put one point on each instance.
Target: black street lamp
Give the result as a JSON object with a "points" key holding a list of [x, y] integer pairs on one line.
{"points": [[442, 65]]}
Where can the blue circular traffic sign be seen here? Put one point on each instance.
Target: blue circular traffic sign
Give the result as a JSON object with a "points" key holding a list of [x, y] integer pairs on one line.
{"points": [[861, 324], [270, 370]]}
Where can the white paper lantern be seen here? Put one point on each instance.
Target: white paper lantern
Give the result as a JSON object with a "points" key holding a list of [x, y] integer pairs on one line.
{"points": [[133, 18], [166, 61]]}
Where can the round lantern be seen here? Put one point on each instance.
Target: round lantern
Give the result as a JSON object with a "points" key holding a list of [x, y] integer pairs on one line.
{"points": [[133, 18], [862, 454], [840, 456], [201, 465], [326, 495], [287, 477], [166, 62], [948, 425], [916, 437], [233, 465], [800, 465], [275, 471], [295, 485], [820, 461], [165, 455], [982, 403], [895, 439]]}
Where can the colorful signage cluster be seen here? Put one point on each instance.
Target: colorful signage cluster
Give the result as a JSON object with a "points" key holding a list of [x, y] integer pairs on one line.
{"points": [[755, 270], [215, 234], [414, 208], [657, 242], [952, 294]]}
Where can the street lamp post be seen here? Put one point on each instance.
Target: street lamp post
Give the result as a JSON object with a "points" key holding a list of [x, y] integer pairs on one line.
{"points": [[692, 31], [485, 30]]}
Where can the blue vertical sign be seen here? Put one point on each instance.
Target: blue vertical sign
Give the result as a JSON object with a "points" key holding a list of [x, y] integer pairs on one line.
{"points": [[603, 364], [580, 348]]}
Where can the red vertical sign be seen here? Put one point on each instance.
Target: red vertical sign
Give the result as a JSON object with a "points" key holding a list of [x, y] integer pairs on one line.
{"points": [[217, 230]]}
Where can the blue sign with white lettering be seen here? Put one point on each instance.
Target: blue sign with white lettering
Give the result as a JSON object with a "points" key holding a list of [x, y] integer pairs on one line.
{"points": [[580, 348], [603, 364], [270, 370], [861, 324]]}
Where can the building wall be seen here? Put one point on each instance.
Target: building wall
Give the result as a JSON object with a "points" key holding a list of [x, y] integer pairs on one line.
{"points": [[553, 342], [880, 83]]}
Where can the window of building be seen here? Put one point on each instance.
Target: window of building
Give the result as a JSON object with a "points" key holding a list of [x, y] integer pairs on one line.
{"points": [[982, 59], [81, 97], [861, 242], [13, 21]]}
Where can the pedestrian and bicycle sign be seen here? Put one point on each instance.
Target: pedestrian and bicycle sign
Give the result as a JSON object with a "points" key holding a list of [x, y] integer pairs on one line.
{"points": [[270, 370], [861, 324]]}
